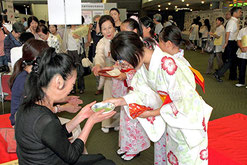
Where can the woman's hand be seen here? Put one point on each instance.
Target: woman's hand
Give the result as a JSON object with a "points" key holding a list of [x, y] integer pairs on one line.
{"points": [[122, 77], [96, 70], [116, 101], [86, 111], [146, 114], [97, 117], [71, 108], [75, 100]]}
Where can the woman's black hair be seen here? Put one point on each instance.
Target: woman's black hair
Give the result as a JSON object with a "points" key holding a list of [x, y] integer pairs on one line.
{"points": [[43, 29], [105, 18], [30, 19], [127, 46], [220, 19], [206, 23], [115, 10], [53, 25], [172, 33], [133, 24], [30, 51], [45, 67], [147, 22]]}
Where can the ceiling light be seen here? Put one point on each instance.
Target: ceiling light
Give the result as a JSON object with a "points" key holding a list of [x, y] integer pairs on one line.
{"points": [[176, 7], [149, 0], [167, 8], [158, 9], [187, 4], [158, 5], [191, 9], [211, 4], [202, 2], [169, 3], [182, 0]]}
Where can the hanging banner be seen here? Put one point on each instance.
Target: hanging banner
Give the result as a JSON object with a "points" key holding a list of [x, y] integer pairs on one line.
{"points": [[61, 12], [92, 6]]}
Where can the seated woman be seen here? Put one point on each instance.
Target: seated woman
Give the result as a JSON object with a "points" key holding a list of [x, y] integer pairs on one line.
{"points": [[41, 139]]}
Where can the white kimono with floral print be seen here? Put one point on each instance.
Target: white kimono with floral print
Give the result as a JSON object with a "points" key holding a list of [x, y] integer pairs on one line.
{"points": [[184, 137]]}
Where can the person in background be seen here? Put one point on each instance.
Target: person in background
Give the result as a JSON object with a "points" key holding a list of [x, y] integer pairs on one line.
{"points": [[94, 36], [157, 18], [147, 27], [242, 55], [230, 46], [227, 17], [7, 24], [2, 55], [33, 24], [103, 59], [42, 22], [219, 40], [204, 30], [11, 41], [24, 21], [194, 37], [170, 21], [115, 14], [16, 52], [51, 40], [53, 31], [40, 137]]}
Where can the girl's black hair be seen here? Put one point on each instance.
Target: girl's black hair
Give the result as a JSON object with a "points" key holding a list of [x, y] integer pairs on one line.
{"points": [[115, 10], [30, 19], [220, 19], [133, 24], [173, 33], [43, 29], [45, 67], [127, 46], [105, 18], [147, 22], [206, 22], [52, 25]]}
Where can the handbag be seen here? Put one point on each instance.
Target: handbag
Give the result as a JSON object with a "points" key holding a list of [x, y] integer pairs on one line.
{"points": [[209, 45], [85, 62]]}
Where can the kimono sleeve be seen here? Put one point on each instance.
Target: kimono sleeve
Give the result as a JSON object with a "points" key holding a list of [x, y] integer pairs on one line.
{"points": [[187, 109], [100, 53]]}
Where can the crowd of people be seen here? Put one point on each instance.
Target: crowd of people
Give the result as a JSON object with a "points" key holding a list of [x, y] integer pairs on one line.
{"points": [[228, 45], [155, 92]]}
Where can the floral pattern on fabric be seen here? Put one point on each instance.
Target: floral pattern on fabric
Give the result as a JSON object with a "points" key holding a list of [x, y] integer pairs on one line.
{"points": [[204, 154], [151, 119], [174, 109], [172, 158], [132, 137], [168, 64]]}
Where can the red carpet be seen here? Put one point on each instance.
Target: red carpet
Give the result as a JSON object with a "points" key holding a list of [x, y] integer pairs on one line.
{"points": [[4, 155], [228, 140]]}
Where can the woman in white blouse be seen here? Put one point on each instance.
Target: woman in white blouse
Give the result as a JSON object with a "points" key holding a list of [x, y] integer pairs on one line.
{"points": [[103, 59], [194, 36]]}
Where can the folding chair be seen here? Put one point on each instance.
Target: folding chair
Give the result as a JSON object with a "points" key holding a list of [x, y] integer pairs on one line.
{"points": [[4, 89]]}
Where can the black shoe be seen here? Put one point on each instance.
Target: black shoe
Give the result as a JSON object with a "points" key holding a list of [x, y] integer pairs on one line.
{"points": [[218, 77]]}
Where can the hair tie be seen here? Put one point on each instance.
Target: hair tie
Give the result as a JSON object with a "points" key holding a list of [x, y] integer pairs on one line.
{"points": [[35, 65]]}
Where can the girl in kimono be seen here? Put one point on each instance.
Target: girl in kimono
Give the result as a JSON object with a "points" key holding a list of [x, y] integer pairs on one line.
{"points": [[103, 59], [184, 113], [132, 137]]}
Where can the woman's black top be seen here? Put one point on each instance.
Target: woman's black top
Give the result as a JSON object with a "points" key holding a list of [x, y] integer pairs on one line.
{"points": [[41, 139]]}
